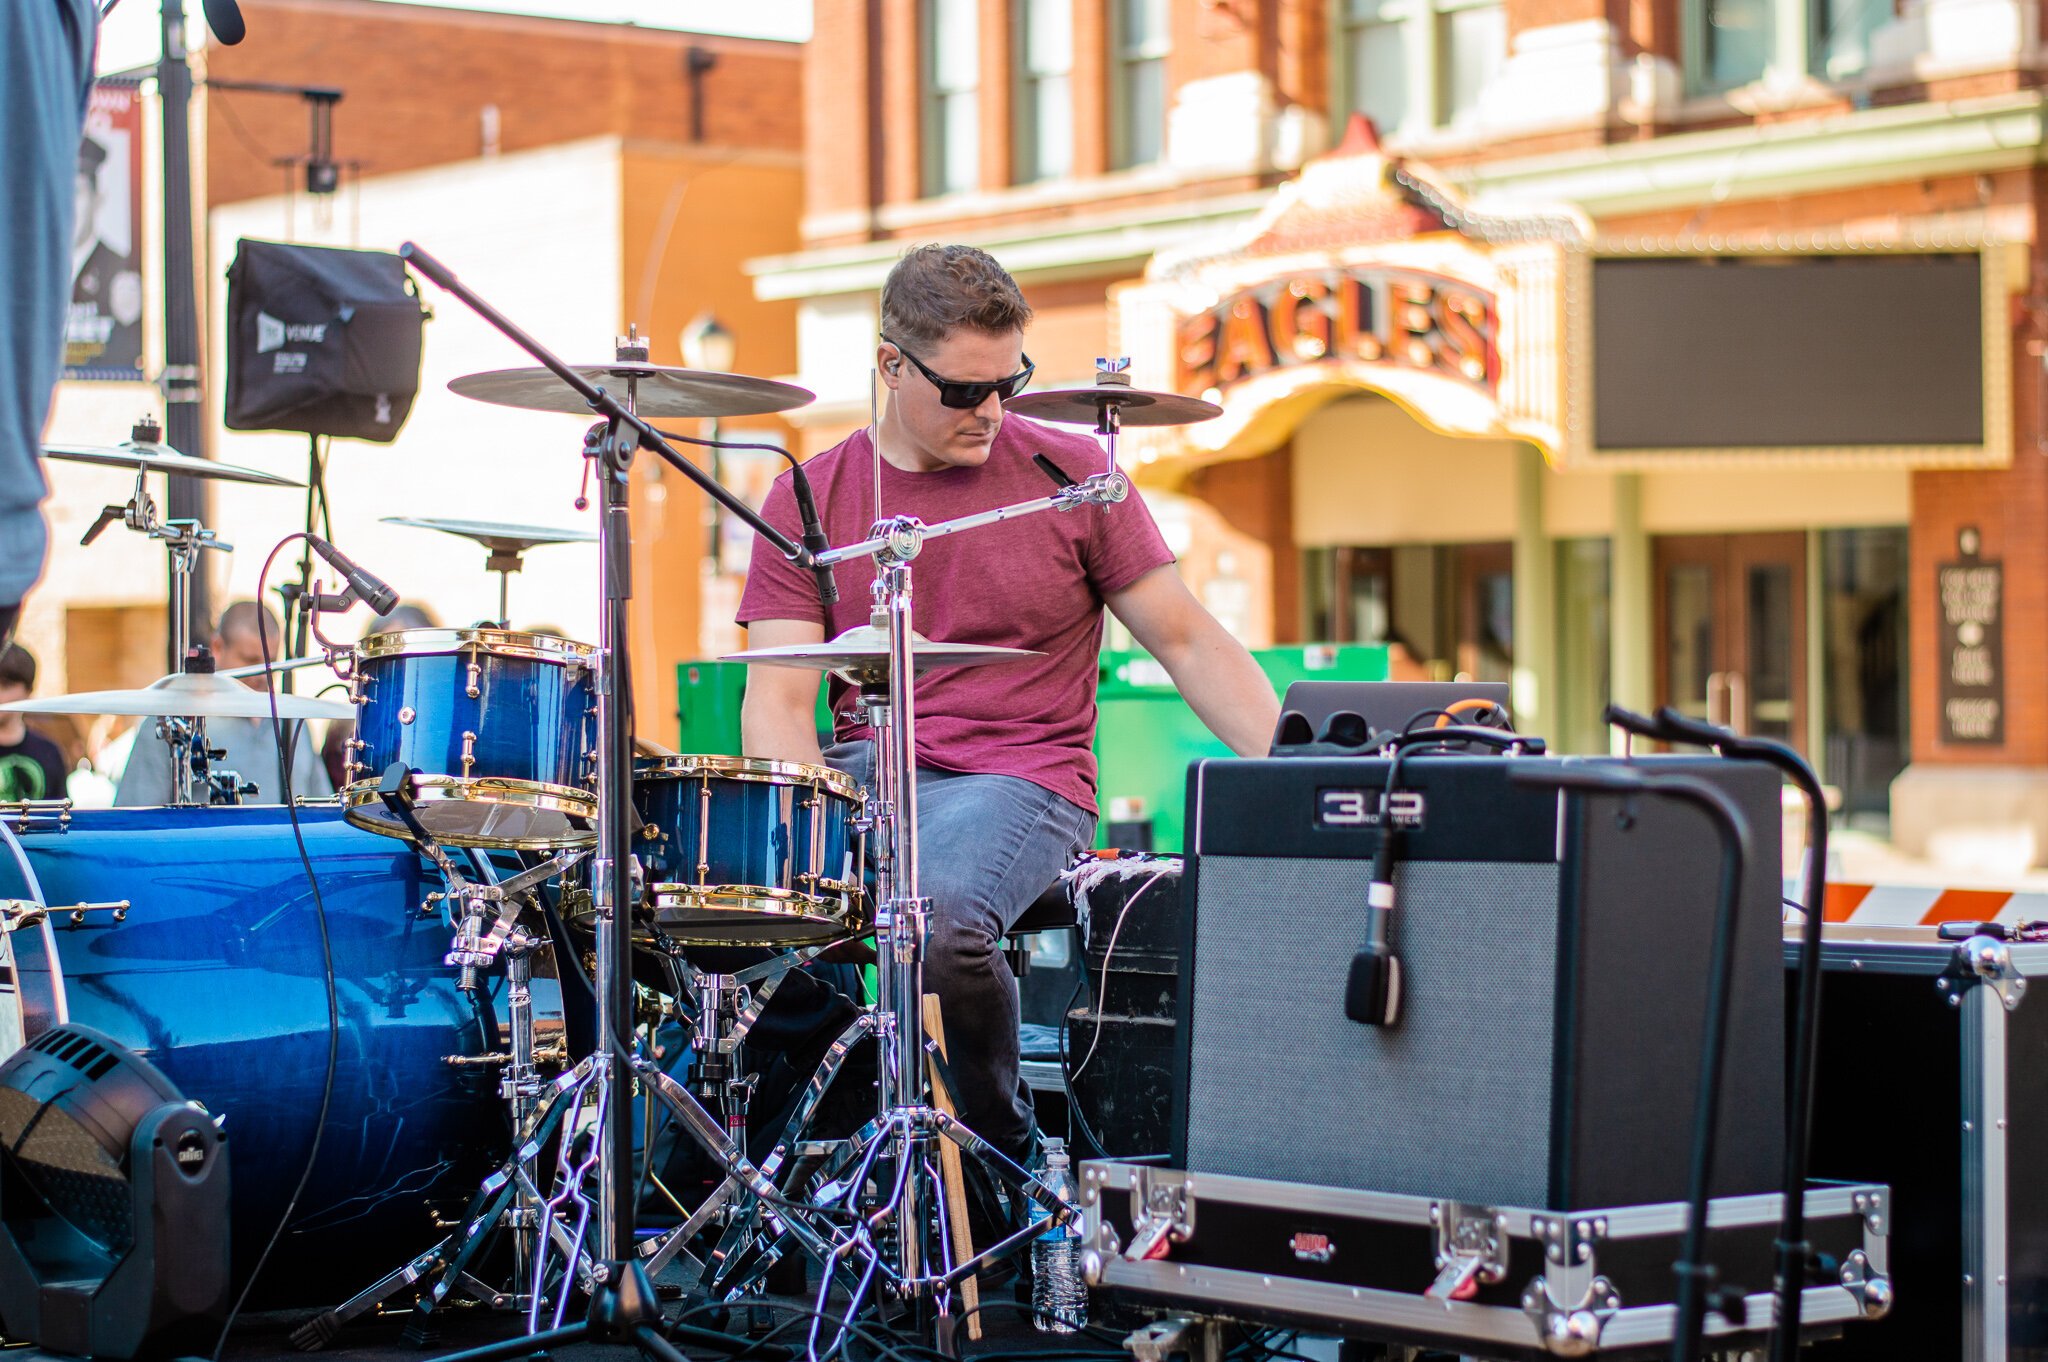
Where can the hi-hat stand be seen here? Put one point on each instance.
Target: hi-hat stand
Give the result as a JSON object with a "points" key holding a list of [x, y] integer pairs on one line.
{"points": [[183, 541]]}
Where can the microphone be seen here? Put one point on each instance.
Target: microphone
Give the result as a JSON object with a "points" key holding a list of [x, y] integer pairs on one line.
{"points": [[813, 537], [373, 591], [224, 17]]}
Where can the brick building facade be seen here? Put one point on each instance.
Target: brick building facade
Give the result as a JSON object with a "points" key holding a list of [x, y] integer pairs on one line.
{"points": [[466, 130], [1128, 160]]}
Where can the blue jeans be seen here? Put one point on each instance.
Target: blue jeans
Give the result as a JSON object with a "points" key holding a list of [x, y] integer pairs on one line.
{"points": [[987, 846], [46, 50]]}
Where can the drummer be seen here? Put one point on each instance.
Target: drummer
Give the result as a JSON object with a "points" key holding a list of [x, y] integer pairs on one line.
{"points": [[1006, 778], [250, 744]]}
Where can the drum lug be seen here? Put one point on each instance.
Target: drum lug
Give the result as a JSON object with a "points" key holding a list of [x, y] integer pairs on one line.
{"points": [[468, 745], [476, 671], [358, 687]]}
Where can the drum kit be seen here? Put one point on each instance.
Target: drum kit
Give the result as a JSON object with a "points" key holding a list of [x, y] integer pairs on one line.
{"points": [[502, 764]]}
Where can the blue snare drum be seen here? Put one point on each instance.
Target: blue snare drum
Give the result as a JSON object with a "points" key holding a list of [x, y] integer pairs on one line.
{"points": [[213, 971], [501, 726], [746, 852]]}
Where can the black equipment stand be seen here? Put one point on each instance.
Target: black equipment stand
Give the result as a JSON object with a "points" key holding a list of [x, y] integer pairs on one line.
{"points": [[1698, 1290], [1793, 1250]]}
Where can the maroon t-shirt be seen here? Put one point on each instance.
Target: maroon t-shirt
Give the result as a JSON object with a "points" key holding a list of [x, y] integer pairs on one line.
{"points": [[1036, 582]]}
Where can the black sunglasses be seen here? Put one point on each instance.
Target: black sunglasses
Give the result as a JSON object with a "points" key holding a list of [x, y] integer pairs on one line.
{"points": [[968, 396]]}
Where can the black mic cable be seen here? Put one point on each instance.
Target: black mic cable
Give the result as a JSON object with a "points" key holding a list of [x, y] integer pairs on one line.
{"points": [[813, 536]]}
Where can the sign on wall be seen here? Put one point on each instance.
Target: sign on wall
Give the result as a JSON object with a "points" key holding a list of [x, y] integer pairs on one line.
{"points": [[103, 330], [1970, 601]]}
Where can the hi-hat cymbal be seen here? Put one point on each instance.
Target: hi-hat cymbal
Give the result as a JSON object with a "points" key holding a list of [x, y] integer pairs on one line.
{"points": [[498, 538], [861, 654], [161, 458], [1135, 406], [657, 390], [200, 695]]}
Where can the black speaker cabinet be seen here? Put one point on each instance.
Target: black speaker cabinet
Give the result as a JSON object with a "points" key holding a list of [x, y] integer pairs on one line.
{"points": [[1554, 955]]}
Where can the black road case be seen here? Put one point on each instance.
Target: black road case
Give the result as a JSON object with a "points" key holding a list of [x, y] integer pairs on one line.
{"points": [[1484, 1281], [1933, 1079]]}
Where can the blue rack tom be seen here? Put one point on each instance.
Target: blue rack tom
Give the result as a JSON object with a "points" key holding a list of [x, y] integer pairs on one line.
{"points": [[741, 851], [501, 727]]}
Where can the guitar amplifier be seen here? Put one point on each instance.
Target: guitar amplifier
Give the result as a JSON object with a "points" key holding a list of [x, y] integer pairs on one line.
{"points": [[1554, 952]]}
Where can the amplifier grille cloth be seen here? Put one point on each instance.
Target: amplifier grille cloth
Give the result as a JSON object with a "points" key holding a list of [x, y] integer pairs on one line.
{"points": [[1453, 1102]]}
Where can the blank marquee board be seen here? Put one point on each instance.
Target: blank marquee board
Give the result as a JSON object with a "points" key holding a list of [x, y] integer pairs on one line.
{"points": [[1789, 351]]}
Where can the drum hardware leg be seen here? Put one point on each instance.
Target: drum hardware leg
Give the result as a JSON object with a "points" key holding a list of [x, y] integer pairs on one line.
{"points": [[491, 1208]]}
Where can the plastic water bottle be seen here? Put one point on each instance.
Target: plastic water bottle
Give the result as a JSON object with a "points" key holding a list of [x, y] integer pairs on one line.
{"points": [[1059, 1301]]}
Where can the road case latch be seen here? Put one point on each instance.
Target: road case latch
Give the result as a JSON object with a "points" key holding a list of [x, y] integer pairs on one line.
{"points": [[1161, 1215], [1471, 1249]]}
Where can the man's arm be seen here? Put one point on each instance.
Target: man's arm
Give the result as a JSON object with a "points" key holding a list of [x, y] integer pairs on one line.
{"points": [[778, 716], [1216, 676]]}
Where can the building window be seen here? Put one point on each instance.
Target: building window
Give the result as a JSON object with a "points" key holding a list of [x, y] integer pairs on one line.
{"points": [[1045, 105], [952, 88], [1413, 65], [1737, 42], [1141, 41]]}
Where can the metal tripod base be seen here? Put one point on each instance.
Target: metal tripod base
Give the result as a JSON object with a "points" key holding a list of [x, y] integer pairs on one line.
{"points": [[913, 1132]]}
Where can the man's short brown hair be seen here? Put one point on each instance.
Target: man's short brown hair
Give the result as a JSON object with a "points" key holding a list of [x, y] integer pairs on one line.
{"points": [[935, 289]]}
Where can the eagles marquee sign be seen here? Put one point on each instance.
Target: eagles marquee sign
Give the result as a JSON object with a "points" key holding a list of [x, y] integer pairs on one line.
{"points": [[1401, 318], [1363, 273]]}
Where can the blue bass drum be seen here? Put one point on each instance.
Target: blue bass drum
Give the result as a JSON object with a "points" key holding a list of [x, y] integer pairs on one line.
{"points": [[500, 726], [213, 971]]}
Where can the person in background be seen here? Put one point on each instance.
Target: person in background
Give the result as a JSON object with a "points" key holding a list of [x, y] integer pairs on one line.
{"points": [[31, 766], [250, 744], [46, 69], [334, 747]]}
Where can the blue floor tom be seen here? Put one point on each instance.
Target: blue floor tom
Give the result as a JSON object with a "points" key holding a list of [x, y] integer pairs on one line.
{"points": [[501, 727]]}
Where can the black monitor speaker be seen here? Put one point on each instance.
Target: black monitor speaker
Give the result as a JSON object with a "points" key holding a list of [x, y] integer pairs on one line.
{"points": [[322, 341], [113, 1203]]}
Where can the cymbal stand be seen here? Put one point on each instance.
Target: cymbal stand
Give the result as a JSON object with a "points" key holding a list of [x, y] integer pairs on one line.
{"points": [[908, 1123], [615, 877]]}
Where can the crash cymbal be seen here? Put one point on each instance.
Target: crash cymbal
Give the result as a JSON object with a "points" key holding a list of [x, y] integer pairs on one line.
{"points": [[494, 536], [1135, 406], [161, 458], [202, 695], [657, 390], [861, 654]]}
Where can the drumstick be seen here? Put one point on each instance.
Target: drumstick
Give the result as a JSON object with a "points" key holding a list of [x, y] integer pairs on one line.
{"points": [[952, 1173]]}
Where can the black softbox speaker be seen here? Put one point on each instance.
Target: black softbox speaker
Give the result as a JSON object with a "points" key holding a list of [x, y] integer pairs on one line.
{"points": [[321, 340]]}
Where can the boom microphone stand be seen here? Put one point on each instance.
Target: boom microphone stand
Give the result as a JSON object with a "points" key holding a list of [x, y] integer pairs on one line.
{"points": [[613, 878]]}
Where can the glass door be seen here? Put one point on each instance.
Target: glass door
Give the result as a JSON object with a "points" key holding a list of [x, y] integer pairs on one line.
{"points": [[1731, 624]]}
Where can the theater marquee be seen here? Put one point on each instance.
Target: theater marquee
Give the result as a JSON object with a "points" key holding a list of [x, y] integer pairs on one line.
{"points": [[1399, 318], [1361, 274]]}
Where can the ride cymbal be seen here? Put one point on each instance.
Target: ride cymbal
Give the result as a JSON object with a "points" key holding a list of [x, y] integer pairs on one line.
{"points": [[1135, 406], [656, 390]]}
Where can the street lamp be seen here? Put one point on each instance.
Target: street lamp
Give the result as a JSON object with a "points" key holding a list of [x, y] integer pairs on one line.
{"points": [[707, 345]]}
